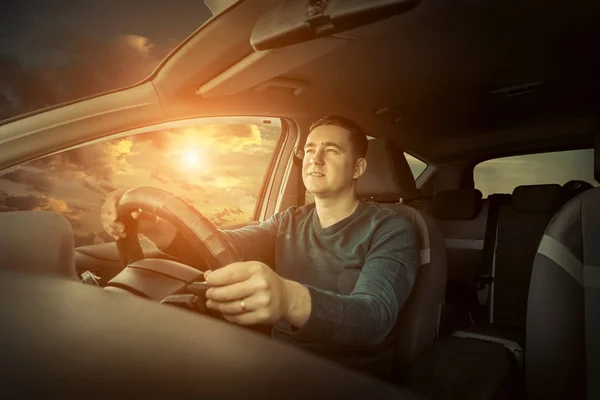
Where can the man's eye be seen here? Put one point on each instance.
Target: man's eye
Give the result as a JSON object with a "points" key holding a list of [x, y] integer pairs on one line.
{"points": [[308, 151], [333, 151]]}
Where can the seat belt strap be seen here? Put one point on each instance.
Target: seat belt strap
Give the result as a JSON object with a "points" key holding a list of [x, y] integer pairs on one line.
{"points": [[486, 275]]}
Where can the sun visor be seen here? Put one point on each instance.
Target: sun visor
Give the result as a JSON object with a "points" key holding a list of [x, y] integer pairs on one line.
{"points": [[264, 68]]}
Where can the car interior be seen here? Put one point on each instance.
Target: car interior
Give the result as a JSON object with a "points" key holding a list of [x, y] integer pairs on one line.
{"points": [[505, 302]]}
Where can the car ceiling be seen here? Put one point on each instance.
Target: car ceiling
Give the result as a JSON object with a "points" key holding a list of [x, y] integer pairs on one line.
{"points": [[435, 69], [438, 68]]}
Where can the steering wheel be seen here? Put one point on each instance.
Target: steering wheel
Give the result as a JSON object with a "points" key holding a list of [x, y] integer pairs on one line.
{"points": [[167, 280]]}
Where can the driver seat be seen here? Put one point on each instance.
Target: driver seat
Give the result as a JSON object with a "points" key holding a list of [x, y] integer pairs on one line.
{"points": [[389, 181]]}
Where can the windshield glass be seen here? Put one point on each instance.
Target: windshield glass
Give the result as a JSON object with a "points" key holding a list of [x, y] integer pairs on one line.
{"points": [[53, 52]]}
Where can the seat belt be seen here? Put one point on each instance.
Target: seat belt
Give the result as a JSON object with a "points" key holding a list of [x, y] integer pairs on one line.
{"points": [[590, 225], [485, 278]]}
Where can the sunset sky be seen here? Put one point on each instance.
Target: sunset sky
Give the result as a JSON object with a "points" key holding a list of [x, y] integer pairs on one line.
{"points": [[217, 168], [55, 51]]}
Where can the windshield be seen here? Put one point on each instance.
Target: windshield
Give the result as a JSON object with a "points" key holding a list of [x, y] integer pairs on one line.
{"points": [[57, 51]]}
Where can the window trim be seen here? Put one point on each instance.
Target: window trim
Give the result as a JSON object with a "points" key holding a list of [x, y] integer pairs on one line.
{"points": [[266, 189]]}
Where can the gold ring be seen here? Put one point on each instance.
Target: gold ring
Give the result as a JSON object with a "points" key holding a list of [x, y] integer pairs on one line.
{"points": [[243, 304]]}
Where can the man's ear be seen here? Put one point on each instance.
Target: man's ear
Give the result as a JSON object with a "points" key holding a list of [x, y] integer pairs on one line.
{"points": [[359, 168]]}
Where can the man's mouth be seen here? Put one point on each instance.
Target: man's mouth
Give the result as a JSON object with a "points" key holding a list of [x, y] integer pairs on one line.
{"points": [[316, 174]]}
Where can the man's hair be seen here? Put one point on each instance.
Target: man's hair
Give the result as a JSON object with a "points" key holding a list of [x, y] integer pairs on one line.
{"points": [[358, 137]]}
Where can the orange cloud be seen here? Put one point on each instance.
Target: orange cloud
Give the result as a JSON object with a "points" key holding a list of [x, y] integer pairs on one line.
{"points": [[138, 43]]}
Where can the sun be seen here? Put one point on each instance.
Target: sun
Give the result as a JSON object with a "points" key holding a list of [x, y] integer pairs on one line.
{"points": [[191, 158]]}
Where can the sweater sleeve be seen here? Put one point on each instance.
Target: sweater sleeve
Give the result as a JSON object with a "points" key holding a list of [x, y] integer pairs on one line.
{"points": [[368, 314], [253, 243]]}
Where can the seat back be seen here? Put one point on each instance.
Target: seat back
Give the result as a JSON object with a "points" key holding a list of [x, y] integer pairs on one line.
{"points": [[39, 242], [462, 216], [521, 224], [387, 180], [562, 354]]}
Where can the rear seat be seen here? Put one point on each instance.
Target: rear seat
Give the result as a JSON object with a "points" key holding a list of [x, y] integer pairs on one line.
{"points": [[461, 215], [521, 224], [456, 367], [482, 360]]}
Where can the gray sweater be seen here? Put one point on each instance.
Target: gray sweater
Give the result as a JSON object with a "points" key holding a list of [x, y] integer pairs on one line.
{"points": [[359, 272]]}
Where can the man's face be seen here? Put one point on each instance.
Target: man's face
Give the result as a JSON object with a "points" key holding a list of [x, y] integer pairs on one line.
{"points": [[329, 167]]}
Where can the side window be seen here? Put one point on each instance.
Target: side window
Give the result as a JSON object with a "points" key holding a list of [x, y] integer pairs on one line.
{"points": [[416, 166], [217, 165], [502, 175]]}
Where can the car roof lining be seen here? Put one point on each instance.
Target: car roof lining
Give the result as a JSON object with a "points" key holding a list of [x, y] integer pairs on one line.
{"points": [[441, 102], [447, 59]]}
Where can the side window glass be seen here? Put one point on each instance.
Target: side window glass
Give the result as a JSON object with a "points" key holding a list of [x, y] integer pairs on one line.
{"points": [[218, 167], [416, 166], [502, 175]]}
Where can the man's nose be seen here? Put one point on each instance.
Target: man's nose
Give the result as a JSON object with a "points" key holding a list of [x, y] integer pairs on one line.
{"points": [[317, 157]]}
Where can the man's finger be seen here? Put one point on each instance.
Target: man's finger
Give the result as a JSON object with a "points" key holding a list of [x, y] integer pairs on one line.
{"points": [[233, 292], [229, 274], [109, 216], [251, 303]]}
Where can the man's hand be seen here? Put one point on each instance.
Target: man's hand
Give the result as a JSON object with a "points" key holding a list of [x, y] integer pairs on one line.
{"points": [[110, 217], [266, 296]]}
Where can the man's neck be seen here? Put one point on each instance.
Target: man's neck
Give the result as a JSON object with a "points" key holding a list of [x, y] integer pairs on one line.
{"points": [[332, 210]]}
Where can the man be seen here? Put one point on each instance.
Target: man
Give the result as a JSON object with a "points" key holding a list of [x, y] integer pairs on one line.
{"points": [[330, 276]]}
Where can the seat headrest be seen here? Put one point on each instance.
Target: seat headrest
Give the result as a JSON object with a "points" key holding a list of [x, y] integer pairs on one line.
{"points": [[459, 204], [388, 176], [535, 198], [40, 242]]}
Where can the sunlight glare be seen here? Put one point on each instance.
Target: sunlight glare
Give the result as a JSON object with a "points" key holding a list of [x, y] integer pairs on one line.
{"points": [[191, 158]]}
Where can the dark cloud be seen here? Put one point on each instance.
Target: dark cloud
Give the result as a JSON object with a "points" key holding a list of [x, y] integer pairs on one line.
{"points": [[159, 140], [41, 203], [40, 181], [99, 161], [105, 236], [220, 217], [92, 238], [24, 203], [156, 175], [86, 240], [100, 188]]}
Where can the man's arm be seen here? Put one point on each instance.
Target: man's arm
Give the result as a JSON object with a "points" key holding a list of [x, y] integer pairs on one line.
{"points": [[369, 313], [256, 242]]}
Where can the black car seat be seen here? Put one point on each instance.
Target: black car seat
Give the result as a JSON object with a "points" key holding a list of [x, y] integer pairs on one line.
{"points": [[562, 354]]}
